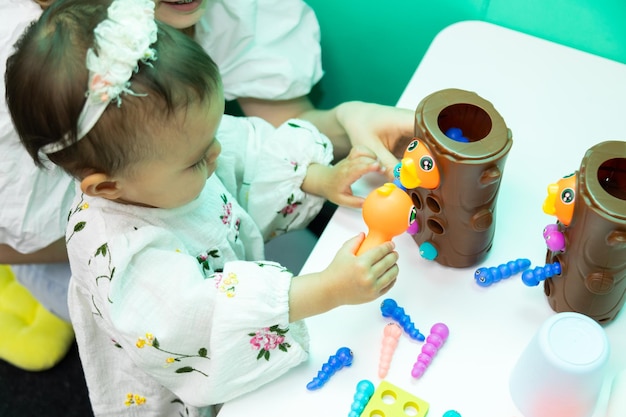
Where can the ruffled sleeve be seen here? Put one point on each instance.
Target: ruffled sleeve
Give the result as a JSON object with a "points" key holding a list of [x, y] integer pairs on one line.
{"points": [[274, 166], [187, 331], [265, 49]]}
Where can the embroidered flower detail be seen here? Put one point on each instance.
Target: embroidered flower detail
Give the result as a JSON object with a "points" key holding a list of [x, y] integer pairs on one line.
{"points": [[134, 399], [151, 340], [226, 284], [295, 165], [228, 210], [203, 258], [268, 339], [290, 207]]}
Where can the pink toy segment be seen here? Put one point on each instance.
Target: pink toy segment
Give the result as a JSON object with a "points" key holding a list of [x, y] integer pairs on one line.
{"points": [[438, 335], [391, 336], [387, 211]]}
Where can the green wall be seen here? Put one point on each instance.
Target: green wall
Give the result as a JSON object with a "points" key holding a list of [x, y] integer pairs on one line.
{"points": [[370, 49]]}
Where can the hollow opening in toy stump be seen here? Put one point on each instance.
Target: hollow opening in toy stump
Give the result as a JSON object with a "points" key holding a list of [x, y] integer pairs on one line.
{"points": [[473, 121], [612, 177]]}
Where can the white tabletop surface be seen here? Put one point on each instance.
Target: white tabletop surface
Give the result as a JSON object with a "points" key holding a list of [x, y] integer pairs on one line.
{"points": [[558, 102]]}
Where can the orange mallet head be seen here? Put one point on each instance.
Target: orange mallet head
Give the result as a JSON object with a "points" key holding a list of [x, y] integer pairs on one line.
{"points": [[387, 211]]}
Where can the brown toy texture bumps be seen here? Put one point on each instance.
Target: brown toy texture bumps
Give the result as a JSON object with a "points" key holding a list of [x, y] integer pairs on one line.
{"points": [[457, 218], [593, 263]]}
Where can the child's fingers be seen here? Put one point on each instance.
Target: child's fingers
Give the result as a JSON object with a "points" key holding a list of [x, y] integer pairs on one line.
{"points": [[352, 245]]}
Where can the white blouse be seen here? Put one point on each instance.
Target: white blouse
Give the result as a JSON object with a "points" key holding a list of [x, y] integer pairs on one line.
{"points": [[175, 309]]}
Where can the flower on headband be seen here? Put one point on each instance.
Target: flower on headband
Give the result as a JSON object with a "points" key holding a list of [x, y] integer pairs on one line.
{"points": [[123, 39]]}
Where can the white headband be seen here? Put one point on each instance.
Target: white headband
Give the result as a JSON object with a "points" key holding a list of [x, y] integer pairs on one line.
{"points": [[122, 40]]}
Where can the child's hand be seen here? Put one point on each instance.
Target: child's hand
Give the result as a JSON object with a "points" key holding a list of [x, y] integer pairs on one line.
{"points": [[334, 182], [349, 279], [359, 279]]}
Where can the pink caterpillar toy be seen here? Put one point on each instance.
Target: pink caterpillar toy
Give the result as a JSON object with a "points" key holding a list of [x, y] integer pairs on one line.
{"points": [[391, 335], [437, 337]]}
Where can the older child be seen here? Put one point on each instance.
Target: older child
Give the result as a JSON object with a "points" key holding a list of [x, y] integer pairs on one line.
{"points": [[173, 307]]}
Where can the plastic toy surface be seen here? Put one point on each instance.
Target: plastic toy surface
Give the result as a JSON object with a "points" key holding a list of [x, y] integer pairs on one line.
{"points": [[451, 413], [437, 337], [391, 336], [456, 217], [418, 167], [593, 265], [341, 359], [388, 212], [560, 199], [390, 308], [486, 276], [364, 391], [532, 277], [390, 400], [555, 239]]}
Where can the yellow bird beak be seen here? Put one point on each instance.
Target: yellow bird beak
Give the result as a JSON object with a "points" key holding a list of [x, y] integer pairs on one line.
{"points": [[408, 174], [549, 204]]}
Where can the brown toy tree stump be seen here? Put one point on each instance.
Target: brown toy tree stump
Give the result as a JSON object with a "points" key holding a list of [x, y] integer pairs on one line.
{"points": [[593, 264], [457, 218]]}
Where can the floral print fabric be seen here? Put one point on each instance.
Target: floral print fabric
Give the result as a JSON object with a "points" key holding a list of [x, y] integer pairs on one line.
{"points": [[166, 302]]}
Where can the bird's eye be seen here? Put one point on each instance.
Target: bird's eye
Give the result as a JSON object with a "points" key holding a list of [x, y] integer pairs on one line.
{"points": [[567, 196], [427, 163], [412, 145]]}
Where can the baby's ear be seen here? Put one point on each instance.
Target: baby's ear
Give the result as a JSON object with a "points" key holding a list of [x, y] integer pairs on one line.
{"points": [[101, 185]]}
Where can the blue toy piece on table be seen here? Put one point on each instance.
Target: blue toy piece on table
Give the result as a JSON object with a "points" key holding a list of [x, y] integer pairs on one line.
{"points": [[390, 308], [533, 277], [486, 276], [341, 359]]}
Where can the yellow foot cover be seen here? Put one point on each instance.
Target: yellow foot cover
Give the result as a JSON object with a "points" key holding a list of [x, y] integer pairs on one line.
{"points": [[31, 337]]}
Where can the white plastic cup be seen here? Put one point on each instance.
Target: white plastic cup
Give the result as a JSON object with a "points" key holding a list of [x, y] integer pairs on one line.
{"points": [[561, 371]]}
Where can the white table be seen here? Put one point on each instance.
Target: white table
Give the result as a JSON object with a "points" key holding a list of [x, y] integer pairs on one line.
{"points": [[558, 102]]}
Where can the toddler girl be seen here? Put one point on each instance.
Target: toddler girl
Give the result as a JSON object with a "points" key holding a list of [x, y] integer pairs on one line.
{"points": [[172, 305]]}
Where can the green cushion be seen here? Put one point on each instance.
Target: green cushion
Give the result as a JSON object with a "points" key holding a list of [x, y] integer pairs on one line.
{"points": [[370, 49]]}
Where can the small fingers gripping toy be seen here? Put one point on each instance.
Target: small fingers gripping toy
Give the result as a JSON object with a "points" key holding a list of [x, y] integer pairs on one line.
{"points": [[387, 211], [341, 359]]}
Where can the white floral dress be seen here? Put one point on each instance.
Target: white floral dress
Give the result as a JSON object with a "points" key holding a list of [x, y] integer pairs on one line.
{"points": [[175, 309]]}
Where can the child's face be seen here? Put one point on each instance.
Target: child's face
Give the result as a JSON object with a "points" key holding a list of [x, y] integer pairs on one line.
{"points": [[176, 174], [180, 15]]}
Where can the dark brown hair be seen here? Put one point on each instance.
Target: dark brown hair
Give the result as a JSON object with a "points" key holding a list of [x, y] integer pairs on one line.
{"points": [[46, 81]]}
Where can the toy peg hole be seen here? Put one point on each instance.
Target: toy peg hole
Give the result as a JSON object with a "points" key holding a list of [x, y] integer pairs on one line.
{"points": [[411, 409], [433, 204], [376, 413], [473, 121], [388, 397], [612, 177], [416, 201], [435, 226]]}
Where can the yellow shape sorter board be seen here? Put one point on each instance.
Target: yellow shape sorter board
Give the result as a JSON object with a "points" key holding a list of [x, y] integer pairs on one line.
{"points": [[391, 401]]}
